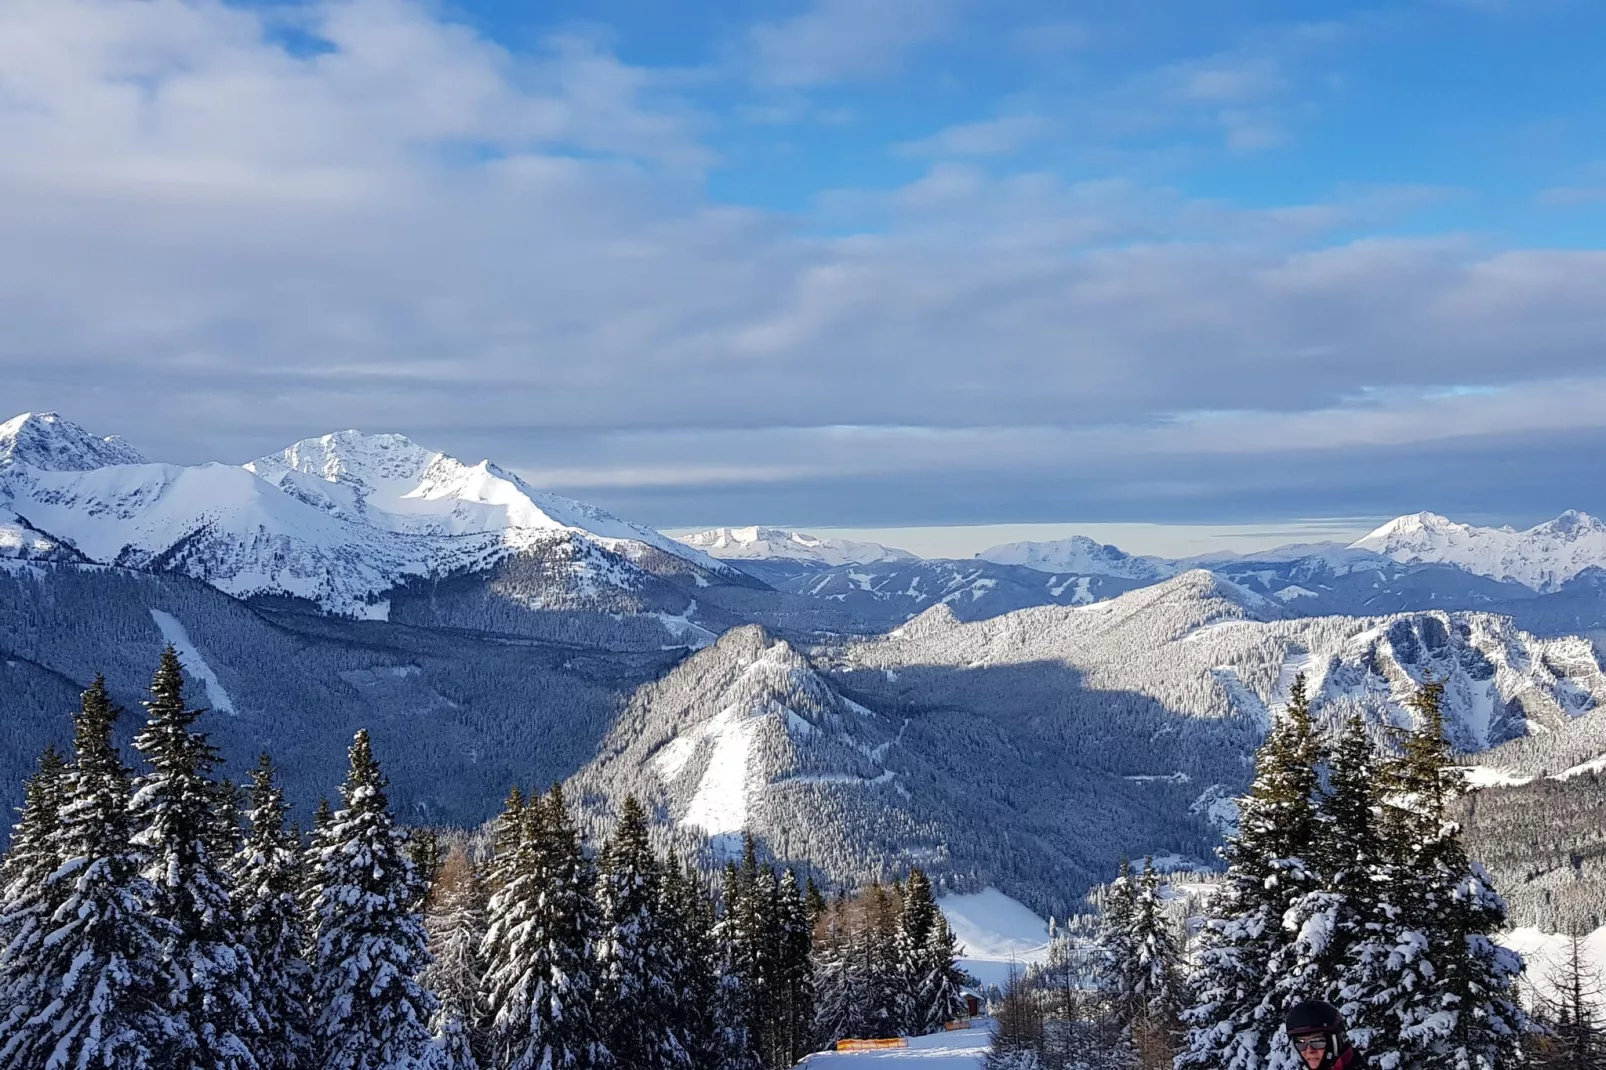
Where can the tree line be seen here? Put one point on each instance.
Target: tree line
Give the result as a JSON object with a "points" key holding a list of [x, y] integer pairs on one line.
{"points": [[1106, 1000], [168, 919]]}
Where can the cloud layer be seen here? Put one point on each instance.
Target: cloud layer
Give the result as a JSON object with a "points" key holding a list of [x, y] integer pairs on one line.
{"points": [[225, 228]]}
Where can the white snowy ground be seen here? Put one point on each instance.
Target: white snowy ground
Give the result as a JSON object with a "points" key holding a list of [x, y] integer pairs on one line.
{"points": [[996, 934], [1544, 952], [963, 1049]]}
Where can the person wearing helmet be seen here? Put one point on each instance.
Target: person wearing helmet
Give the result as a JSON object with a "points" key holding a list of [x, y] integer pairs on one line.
{"points": [[1316, 1030]]}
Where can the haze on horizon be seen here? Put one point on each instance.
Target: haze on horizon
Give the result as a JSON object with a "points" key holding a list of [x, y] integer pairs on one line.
{"points": [[1172, 272]]}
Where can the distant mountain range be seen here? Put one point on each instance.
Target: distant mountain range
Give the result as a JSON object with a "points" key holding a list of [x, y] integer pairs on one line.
{"points": [[776, 544], [1542, 558], [1020, 719], [1549, 576]]}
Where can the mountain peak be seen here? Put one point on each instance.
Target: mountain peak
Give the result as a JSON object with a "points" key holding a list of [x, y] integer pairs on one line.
{"points": [[47, 441], [1411, 524], [1077, 555], [1571, 524], [363, 462], [1543, 557]]}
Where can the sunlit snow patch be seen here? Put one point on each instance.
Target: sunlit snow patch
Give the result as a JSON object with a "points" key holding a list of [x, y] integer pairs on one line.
{"points": [[1545, 952], [996, 934], [189, 657], [720, 805], [683, 628]]}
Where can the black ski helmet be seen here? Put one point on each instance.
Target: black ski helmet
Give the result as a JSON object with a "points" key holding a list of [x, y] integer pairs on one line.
{"points": [[1313, 1016]]}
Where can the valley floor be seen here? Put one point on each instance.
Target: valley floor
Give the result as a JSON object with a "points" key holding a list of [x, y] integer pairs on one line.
{"points": [[963, 1049]]}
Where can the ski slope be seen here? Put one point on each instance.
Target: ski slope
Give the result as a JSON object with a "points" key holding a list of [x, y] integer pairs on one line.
{"points": [[963, 1049], [997, 935]]}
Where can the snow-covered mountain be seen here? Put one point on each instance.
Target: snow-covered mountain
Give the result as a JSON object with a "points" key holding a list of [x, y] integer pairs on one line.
{"points": [[1206, 647], [747, 736], [1543, 557], [1080, 556], [338, 520], [777, 544], [48, 442]]}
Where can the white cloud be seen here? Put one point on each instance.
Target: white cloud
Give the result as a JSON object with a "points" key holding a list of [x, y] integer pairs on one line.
{"points": [[847, 40], [989, 137], [214, 245]]}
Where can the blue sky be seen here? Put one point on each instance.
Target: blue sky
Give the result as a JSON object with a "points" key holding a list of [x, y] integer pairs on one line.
{"points": [[860, 264]]}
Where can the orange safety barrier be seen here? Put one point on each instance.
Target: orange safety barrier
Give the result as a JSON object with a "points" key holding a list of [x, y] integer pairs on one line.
{"points": [[871, 1045], [957, 1023]]}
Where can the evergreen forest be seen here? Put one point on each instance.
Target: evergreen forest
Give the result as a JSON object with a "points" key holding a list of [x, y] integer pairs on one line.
{"points": [[168, 917]]}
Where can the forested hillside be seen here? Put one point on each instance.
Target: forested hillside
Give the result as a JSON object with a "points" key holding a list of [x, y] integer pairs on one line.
{"points": [[1029, 751]]}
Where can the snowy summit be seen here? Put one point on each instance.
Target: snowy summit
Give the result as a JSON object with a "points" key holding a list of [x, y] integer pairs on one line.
{"points": [[337, 520], [1079, 555], [777, 544], [1543, 557]]}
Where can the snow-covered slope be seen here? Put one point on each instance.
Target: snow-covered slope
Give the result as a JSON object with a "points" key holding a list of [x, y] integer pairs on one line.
{"points": [[1544, 557], [997, 935], [1208, 648], [1079, 555], [337, 520], [747, 735], [776, 544]]}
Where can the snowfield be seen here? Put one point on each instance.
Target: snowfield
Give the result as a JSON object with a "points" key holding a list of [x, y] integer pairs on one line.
{"points": [[996, 934], [963, 1049], [1545, 953]]}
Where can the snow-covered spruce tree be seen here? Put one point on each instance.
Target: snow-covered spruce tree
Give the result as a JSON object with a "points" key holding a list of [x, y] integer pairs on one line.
{"points": [[915, 922], [1236, 1011], [1157, 984], [814, 901], [1157, 996], [507, 833], [1117, 957], [28, 900], [1333, 927], [689, 911], [214, 1004], [834, 1008], [266, 877], [942, 990], [93, 993], [312, 881], [749, 932], [795, 970], [25, 906], [635, 991], [732, 1004], [878, 952], [228, 807], [1437, 987], [539, 988], [428, 852], [456, 922], [370, 1011]]}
